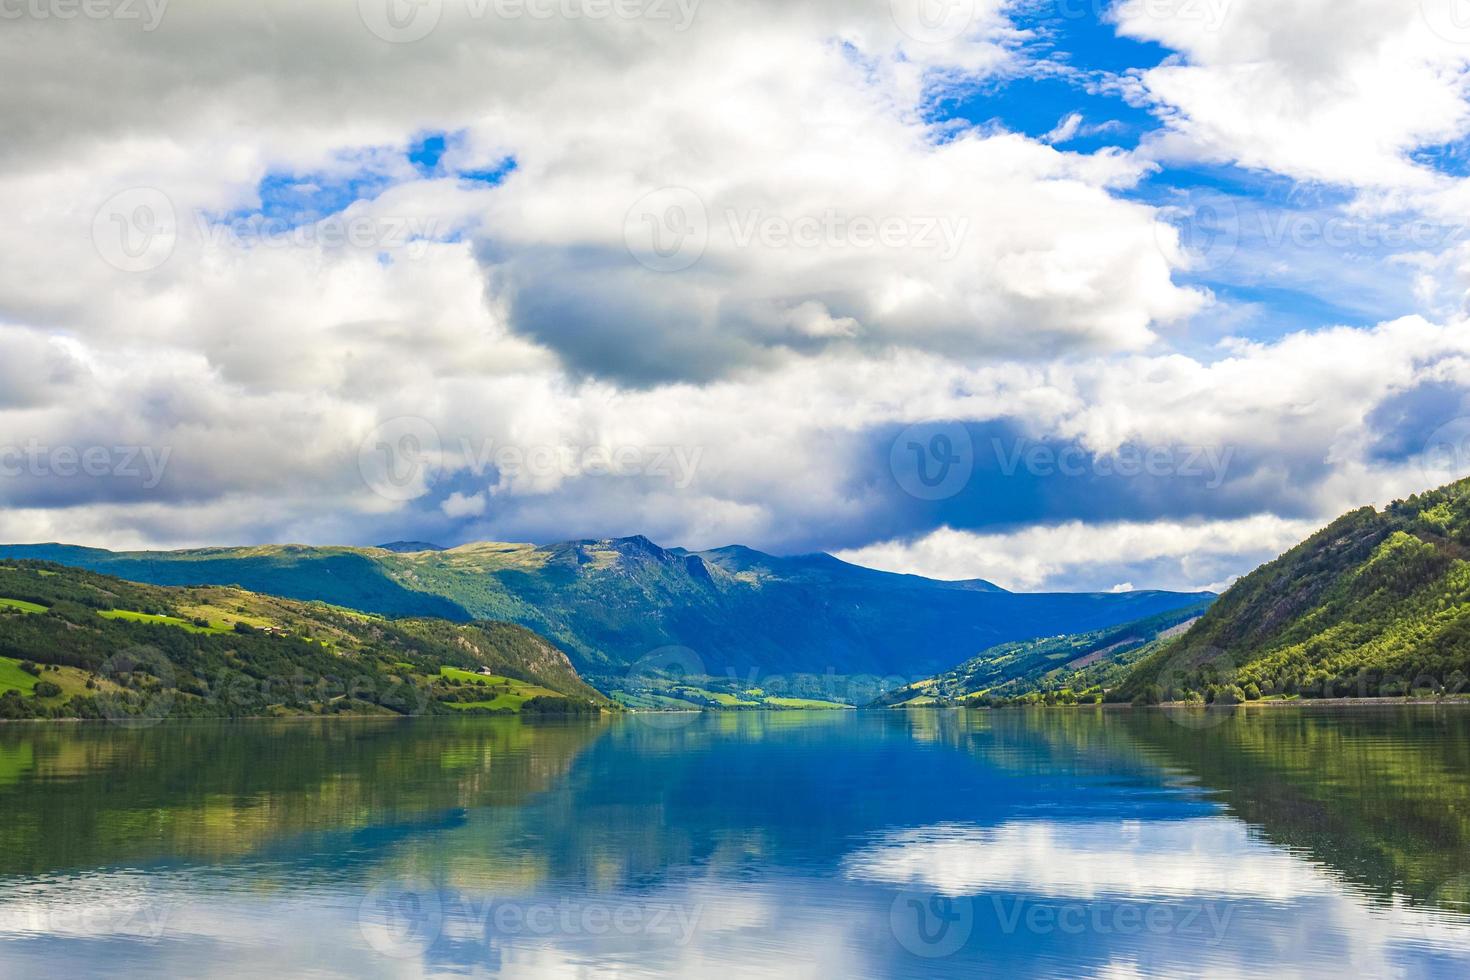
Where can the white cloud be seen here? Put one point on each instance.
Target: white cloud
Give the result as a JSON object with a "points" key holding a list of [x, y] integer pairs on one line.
{"points": [[459, 505], [1246, 893], [819, 119], [516, 317], [1318, 90], [1198, 858], [1065, 130], [1179, 555], [782, 458]]}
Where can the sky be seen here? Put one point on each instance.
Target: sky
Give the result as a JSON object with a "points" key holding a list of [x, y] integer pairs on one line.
{"points": [[1067, 295]]}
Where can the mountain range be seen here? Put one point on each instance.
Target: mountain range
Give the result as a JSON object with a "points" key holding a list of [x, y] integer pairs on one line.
{"points": [[1376, 604], [610, 604]]}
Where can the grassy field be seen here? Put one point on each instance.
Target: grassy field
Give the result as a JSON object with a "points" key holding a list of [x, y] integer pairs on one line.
{"points": [[22, 605], [69, 679], [687, 698], [12, 678], [468, 676], [720, 698], [502, 702], [645, 701], [807, 704], [183, 624], [515, 693]]}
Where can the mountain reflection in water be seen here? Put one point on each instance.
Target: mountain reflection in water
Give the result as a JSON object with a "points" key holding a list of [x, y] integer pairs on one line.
{"points": [[922, 844]]}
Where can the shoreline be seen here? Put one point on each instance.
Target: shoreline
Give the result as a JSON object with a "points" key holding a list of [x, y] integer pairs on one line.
{"points": [[1331, 702], [1460, 701]]}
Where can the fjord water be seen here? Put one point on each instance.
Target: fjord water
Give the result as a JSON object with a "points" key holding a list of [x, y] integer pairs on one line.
{"points": [[1055, 843]]}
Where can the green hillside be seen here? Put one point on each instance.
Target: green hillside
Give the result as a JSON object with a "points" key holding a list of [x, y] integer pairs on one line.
{"points": [[77, 644], [1375, 605], [745, 615], [1066, 669]]}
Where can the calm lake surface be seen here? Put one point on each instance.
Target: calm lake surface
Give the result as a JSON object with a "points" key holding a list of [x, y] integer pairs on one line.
{"points": [[859, 844]]}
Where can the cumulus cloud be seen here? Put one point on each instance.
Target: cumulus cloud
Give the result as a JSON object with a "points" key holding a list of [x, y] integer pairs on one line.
{"points": [[827, 209], [1075, 556], [695, 288], [1341, 92]]}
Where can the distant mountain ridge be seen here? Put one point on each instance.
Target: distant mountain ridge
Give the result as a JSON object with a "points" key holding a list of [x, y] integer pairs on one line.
{"points": [[611, 603], [1068, 669]]}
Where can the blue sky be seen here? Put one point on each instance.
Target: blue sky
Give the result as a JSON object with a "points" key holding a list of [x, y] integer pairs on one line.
{"points": [[1061, 295]]}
